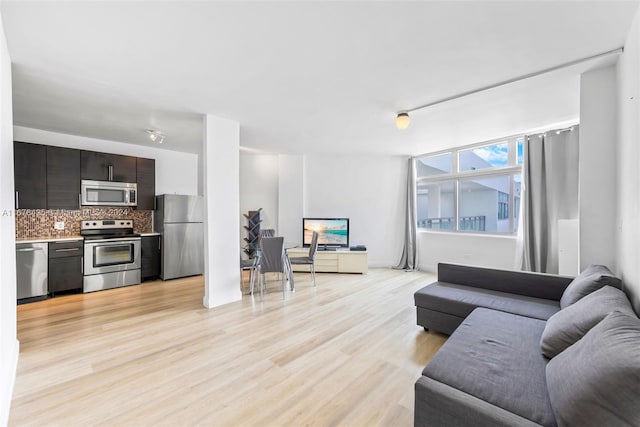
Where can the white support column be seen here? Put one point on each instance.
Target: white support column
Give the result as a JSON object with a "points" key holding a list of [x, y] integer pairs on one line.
{"points": [[9, 345], [221, 177], [597, 167]]}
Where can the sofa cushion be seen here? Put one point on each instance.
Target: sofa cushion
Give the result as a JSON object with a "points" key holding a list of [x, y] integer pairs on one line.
{"points": [[460, 300], [591, 279], [537, 285], [596, 381], [439, 405], [570, 324], [495, 356]]}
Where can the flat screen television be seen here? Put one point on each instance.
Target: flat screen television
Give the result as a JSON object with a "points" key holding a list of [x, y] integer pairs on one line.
{"points": [[333, 232]]}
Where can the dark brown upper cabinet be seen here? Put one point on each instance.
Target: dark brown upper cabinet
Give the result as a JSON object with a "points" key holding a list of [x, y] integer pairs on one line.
{"points": [[30, 175], [107, 167], [49, 177], [146, 172], [63, 178]]}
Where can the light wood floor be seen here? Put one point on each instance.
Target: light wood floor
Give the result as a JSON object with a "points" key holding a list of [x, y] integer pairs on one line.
{"points": [[344, 353]]}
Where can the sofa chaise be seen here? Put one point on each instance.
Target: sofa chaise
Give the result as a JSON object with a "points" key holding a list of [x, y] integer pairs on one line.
{"points": [[529, 349]]}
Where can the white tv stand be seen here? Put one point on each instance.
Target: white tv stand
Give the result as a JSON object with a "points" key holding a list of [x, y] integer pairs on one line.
{"points": [[338, 261]]}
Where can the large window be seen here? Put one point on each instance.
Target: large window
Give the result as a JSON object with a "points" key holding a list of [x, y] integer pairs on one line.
{"points": [[471, 189]]}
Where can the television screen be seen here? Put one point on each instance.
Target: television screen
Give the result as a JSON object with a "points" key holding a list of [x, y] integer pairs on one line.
{"points": [[332, 231]]}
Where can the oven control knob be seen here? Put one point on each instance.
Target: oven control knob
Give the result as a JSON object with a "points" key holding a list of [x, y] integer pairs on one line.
{"points": [[121, 222], [94, 223]]}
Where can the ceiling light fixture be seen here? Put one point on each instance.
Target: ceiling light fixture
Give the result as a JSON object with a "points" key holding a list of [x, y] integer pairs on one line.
{"points": [[402, 119], [155, 136]]}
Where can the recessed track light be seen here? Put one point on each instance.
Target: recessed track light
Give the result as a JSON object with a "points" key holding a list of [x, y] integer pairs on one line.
{"points": [[155, 136]]}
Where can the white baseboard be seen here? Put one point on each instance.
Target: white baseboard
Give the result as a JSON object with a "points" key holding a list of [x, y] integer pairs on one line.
{"points": [[9, 370], [221, 298]]}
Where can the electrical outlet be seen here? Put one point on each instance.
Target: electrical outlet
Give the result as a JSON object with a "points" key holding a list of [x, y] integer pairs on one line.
{"points": [[59, 225]]}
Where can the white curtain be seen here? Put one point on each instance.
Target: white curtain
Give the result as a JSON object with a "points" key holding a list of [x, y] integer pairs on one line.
{"points": [[549, 193], [408, 258]]}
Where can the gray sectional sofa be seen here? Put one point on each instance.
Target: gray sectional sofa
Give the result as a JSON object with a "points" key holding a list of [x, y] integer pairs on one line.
{"points": [[529, 349]]}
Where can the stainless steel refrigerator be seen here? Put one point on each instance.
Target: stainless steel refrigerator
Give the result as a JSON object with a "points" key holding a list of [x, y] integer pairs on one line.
{"points": [[179, 219]]}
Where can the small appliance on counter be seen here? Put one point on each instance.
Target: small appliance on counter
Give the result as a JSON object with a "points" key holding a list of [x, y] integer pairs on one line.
{"points": [[179, 219], [111, 254]]}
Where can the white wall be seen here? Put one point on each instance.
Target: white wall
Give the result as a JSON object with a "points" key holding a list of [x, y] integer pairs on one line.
{"points": [[200, 176], [369, 190], [9, 345], [460, 248], [176, 172], [597, 165], [628, 172], [259, 186], [291, 196], [258, 189], [599, 174]]}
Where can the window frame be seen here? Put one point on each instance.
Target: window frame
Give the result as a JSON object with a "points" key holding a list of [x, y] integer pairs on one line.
{"points": [[510, 170]]}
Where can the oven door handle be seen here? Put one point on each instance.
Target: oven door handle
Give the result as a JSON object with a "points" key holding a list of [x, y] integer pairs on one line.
{"points": [[114, 241]]}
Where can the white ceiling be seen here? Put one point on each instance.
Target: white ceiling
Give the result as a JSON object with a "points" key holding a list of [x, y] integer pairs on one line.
{"points": [[303, 77]]}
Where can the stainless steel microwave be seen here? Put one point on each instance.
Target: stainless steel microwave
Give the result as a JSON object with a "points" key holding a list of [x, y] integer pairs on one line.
{"points": [[109, 193]]}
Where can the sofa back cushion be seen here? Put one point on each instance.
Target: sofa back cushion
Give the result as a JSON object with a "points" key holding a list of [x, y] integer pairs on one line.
{"points": [[537, 285], [570, 324], [596, 381], [591, 279]]}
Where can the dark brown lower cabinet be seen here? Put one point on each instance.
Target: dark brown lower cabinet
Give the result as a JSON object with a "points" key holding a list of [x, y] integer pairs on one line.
{"points": [[65, 265], [150, 257]]}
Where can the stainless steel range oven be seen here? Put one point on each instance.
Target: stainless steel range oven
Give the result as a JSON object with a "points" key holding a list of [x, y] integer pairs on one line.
{"points": [[111, 254]]}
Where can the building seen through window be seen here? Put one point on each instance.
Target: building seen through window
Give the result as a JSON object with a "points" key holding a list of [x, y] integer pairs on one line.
{"points": [[471, 189]]}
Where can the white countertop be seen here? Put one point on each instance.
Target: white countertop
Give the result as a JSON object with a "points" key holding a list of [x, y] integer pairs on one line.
{"points": [[49, 239], [149, 234]]}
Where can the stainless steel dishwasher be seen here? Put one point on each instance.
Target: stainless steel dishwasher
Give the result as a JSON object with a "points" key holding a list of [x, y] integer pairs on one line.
{"points": [[31, 269]]}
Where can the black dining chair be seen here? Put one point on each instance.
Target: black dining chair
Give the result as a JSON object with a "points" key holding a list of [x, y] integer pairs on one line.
{"points": [[309, 260]]}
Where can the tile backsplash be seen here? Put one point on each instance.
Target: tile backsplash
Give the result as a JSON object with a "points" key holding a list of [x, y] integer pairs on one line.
{"points": [[39, 223]]}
